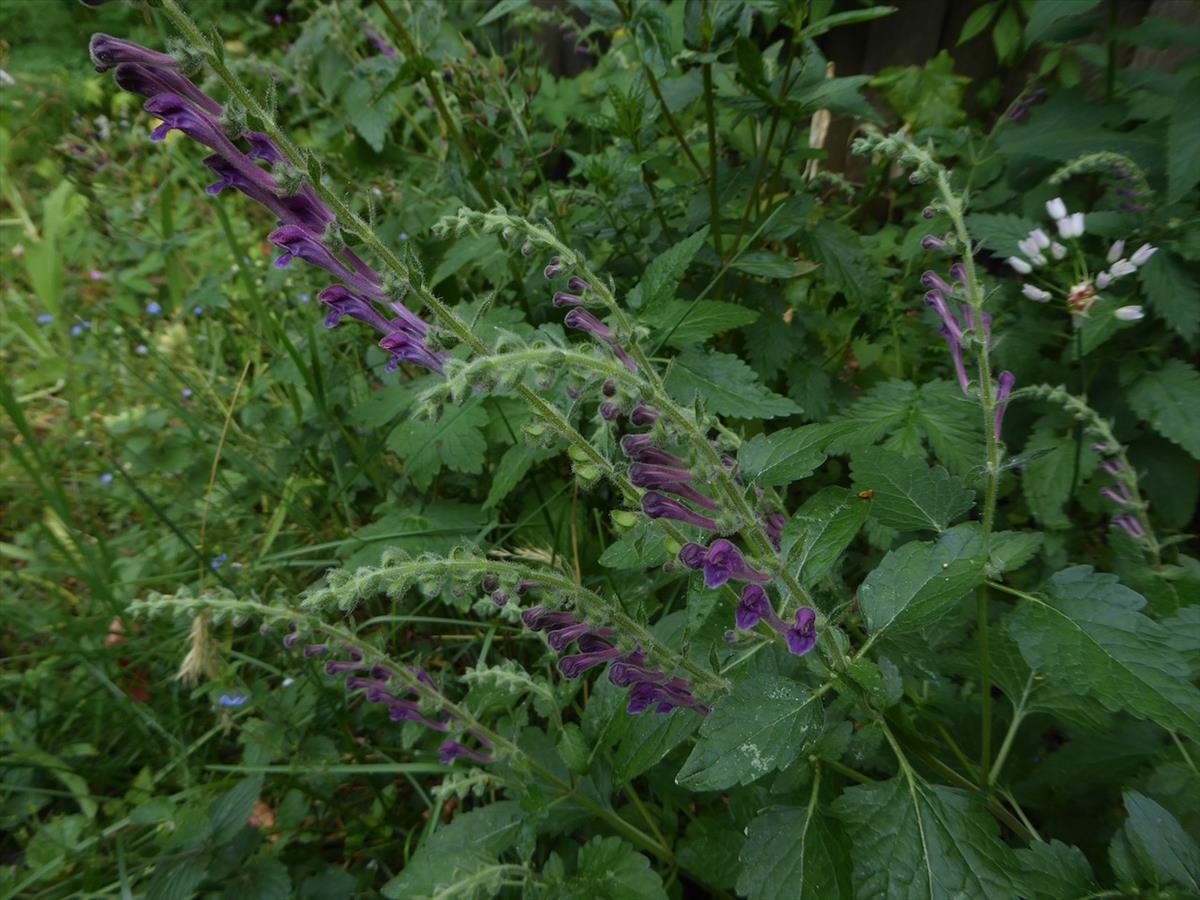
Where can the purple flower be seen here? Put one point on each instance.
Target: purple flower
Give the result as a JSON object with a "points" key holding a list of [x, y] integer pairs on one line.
{"points": [[1111, 466], [935, 282], [153, 308], [574, 666], [1004, 386], [262, 147], [724, 562], [380, 43], [930, 242], [774, 524], [452, 750], [553, 269], [691, 555], [753, 606], [609, 411], [186, 393], [644, 415], [959, 273], [656, 506], [343, 302], [640, 447], [106, 479], [1130, 525], [408, 711], [1120, 496], [316, 650], [672, 480], [233, 700], [108, 51], [585, 321], [802, 636], [538, 618], [563, 299], [578, 285], [339, 667], [150, 81], [219, 561], [956, 355], [45, 319], [407, 348], [935, 301]]}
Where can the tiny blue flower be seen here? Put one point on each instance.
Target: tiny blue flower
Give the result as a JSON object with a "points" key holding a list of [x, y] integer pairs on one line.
{"points": [[288, 682], [106, 478], [404, 235], [153, 308], [197, 310], [76, 330], [141, 350], [86, 325], [304, 298], [186, 393], [219, 561], [233, 700], [45, 319], [246, 260]]}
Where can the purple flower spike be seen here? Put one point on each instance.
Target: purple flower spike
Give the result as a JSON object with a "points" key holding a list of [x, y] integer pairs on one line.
{"points": [[452, 750], [935, 282], [585, 321], [956, 355], [724, 562], [574, 666], [752, 608], [150, 81], [673, 481], [802, 636], [1004, 387], [578, 285], [643, 415], [656, 506], [108, 51], [563, 299], [691, 555]]}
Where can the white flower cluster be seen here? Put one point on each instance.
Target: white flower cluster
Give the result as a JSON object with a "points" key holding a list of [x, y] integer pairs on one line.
{"points": [[1081, 295]]}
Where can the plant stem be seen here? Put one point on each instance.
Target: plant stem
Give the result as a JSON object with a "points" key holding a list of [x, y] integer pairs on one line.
{"points": [[714, 194], [1018, 717]]}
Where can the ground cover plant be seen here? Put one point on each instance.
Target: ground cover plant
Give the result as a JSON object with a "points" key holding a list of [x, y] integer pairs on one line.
{"points": [[600, 449]]}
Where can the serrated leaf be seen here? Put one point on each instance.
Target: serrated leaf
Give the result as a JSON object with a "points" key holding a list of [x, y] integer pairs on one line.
{"points": [[648, 740], [1054, 871], [514, 465], [261, 878], [909, 495], [1009, 550], [726, 385], [912, 588], [177, 878], [762, 725], [641, 547], [927, 96], [794, 854], [1046, 478], [1183, 143], [610, 867], [820, 531], [1086, 632], [916, 841], [230, 812], [768, 460], [472, 842], [689, 323], [663, 274], [1168, 399], [1172, 292], [768, 264], [1047, 13], [454, 441], [846, 265], [1164, 852]]}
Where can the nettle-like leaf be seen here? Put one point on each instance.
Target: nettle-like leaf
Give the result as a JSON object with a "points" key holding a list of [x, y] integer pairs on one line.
{"points": [[454, 441], [820, 531], [1046, 478], [783, 457], [611, 867], [663, 274], [1052, 871], [450, 861], [909, 495], [846, 265], [795, 853], [1164, 853], [686, 324], [1173, 293], [762, 725], [726, 385], [914, 587], [1086, 631], [1168, 400], [1183, 143], [925, 842]]}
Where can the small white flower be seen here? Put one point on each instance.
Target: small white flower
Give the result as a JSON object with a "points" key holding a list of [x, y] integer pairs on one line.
{"points": [[288, 682], [1038, 260], [1019, 264], [1122, 267], [1056, 208], [1035, 293], [1130, 314], [1040, 238], [1029, 247], [1057, 250], [1064, 227], [1116, 251], [1142, 255], [1103, 280]]}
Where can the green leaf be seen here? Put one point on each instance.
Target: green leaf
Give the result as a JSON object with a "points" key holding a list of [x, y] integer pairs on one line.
{"points": [[909, 495], [762, 725], [794, 854], [691, 323], [470, 844], [999, 232], [1162, 849], [230, 813], [821, 529], [177, 878], [1183, 143], [1086, 632], [261, 878], [726, 385], [1006, 36], [912, 588], [370, 107], [1168, 400], [648, 740], [924, 842], [928, 96], [846, 265], [454, 441], [514, 465], [782, 457], [1046, 478], [501, 9], [611, 867], [1054, 871], [1009, 550], [641, 547], [1172, 292], [662, 276], [849, 17], [1047, 13], [769, 264], [977, 21]]}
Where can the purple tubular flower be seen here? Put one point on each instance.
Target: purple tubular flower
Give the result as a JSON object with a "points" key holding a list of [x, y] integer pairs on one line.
{"points": [[338, 667], [297, 243], [609, 411], [663, 697], [452, 750], [563, 299], [1121, 495], [303, 209], [802, 636], [290, 640], [724, 562], [640, 448], [577, 285], [404, 347], [656, 506], [959, 273], [930, 242], [150, 81], [753, 606], [691, 555], [935, 282], [773, 524], [585, 321], [500, 598], [553, 269], [343, 302], [312, 649], [409, 711], [956, 355], [1130, 525], [560, 638], [574, 666], [619, 353], [631, 669], [937, 303], [674, 481], [643, 415], [1111, 466], [108, 51], [262, 147], [538, 618], [380, 42], [1004, 386]]}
